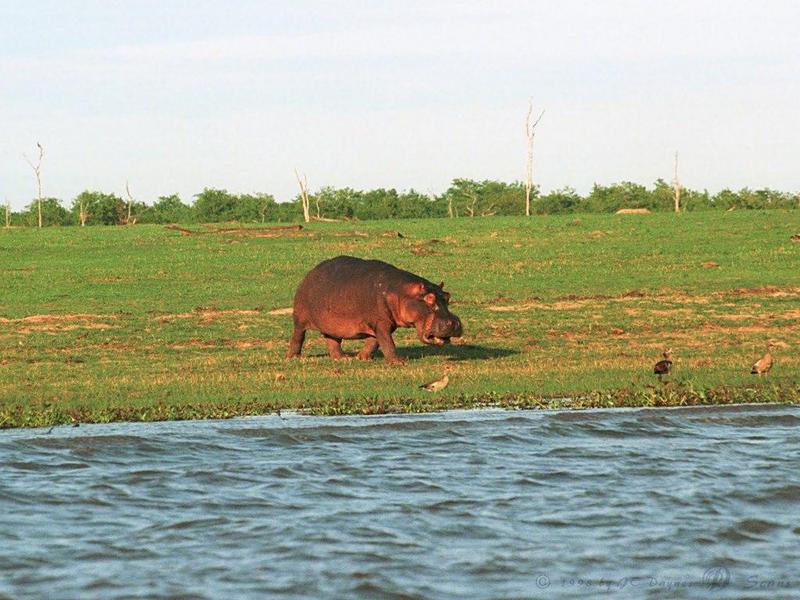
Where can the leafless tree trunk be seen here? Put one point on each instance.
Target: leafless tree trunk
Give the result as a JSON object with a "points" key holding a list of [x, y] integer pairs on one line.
{"points": [[303, 182], [37, 170], [471, 207], [128, 221], [530, 132], [8, 214], [82, 214], [677, 187]]}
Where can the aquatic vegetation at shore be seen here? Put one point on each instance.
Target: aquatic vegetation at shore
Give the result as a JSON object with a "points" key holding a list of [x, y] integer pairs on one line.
{"points": [[679, 394]]}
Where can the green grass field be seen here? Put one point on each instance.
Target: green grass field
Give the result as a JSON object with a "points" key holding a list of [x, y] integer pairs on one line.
{"points": [[142, 323]]}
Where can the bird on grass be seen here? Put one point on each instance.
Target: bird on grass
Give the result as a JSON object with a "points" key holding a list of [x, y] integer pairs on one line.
{"points": [[438, 385], [763, 364], [664, 366]]}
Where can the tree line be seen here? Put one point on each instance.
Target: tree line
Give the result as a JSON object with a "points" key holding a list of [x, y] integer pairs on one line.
{"points": [[463, 198]]}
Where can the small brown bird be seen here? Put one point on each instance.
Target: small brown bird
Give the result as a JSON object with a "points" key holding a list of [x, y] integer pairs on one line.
{"points": [[763, 364], [438, 385], [664, 366]]}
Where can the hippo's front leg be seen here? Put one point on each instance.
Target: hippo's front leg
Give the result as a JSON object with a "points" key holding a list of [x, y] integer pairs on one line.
{"points": [[383, 333]]}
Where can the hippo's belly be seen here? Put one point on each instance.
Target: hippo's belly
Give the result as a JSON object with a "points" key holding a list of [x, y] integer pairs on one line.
{"points": [[337, 326]]}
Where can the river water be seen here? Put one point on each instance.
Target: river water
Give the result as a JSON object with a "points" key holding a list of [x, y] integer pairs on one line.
{"points": [[682, 503]]}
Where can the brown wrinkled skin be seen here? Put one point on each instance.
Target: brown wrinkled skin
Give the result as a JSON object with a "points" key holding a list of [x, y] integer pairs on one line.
{"points": [[350, 298]]}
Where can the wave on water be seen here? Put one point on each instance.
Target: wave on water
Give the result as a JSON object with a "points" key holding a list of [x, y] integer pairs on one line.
{"points": [[690, 503]]}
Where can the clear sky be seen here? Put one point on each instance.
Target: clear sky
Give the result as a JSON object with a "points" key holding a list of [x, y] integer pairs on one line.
{"points": [[176, 96]]}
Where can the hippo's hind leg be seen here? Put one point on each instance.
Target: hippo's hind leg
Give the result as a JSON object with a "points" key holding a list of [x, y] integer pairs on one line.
{"points": [[296, 343], [369, 348], [334, 346]]}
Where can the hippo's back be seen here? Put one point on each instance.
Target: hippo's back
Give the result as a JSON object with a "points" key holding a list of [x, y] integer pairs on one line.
{"points": [[347, 288], [351, 273]]}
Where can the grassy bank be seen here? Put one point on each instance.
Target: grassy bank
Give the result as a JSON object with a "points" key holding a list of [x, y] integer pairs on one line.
{"points": [[141, 323]]}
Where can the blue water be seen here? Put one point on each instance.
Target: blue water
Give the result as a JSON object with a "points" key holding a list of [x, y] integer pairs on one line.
{"points": [[687, 503]]}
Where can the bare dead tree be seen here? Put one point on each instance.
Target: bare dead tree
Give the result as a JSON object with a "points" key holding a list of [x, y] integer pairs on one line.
{"points": [[83, 214], [470, 208], [676, 187], [303, 183], [530, 132], [8, 214], [128, 221], [37, 170]]}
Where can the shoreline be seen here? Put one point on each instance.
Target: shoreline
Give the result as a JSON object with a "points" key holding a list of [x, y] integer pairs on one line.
{"points": [[294, 418], [670, 395]]}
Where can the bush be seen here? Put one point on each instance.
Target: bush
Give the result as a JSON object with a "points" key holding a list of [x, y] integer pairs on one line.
{"points": [[53, 213], [100, 208]]}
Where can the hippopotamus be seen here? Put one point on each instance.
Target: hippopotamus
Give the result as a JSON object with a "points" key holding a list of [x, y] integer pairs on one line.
{"points": [[350, 298]]}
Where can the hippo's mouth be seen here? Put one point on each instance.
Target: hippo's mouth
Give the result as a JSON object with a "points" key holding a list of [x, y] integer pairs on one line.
{"points": [[434, 340]]}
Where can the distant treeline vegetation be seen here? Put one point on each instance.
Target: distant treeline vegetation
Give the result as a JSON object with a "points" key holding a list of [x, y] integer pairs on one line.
{"points": [[464, 198]]}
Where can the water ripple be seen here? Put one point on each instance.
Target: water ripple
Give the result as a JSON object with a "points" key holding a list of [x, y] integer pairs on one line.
{"points": [[684, 503]]}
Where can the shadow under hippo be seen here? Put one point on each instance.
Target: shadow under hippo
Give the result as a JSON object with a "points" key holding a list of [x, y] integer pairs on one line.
{"points": [[458, 353]]}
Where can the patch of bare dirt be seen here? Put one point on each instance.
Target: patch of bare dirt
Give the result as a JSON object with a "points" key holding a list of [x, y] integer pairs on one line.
{"points": [[29, 328], [573, 302], [255, 343], [67, 318], [766, 292], [248, 230], [632, 294], [351, 234], [238, 344], [205, 314], [271, 231], [519, 307], [66, 322], [215, 312], [281, 311], [671, 312]]}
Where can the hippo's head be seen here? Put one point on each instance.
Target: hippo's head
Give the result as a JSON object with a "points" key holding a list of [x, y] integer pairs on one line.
{"points": [[426, 308]]}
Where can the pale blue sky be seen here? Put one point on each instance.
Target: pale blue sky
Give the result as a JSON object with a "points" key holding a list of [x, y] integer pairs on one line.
{"points": [[177, 96]]}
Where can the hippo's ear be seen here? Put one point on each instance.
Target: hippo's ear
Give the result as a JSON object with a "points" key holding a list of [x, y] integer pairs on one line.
{"points": [[416, 289], [430, 299], [441, 285]]}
